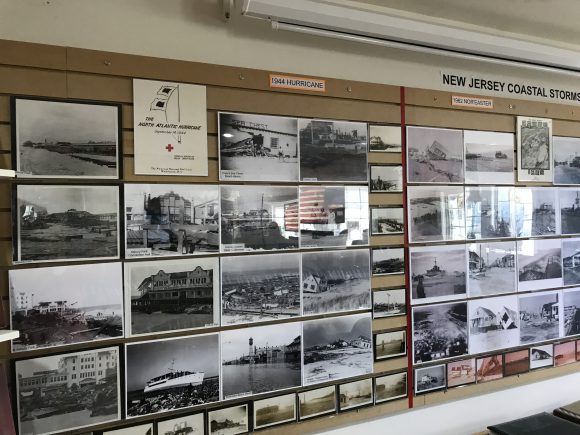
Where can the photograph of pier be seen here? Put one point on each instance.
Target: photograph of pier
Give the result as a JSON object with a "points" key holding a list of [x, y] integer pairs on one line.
{"points": [[386, 178], [390, 387], [539, 264], [228, 421], [387, 220], [516, 363], [494, 323], [460, 372], [355, 394], [274, 410], [319, 401], [492, 268], [540, 317], [186, 424], [489, 157], [385, 138], [566, 160], [489, 212], [536, 212], [571, 303], [571, 261], [569, 203], [389, 302]]}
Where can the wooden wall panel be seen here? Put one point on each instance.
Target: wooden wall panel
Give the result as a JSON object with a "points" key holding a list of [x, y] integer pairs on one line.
{"points": [[460, 119], [4, 108], [5, 139], [33, 55], [394, 322], [388, 365]]}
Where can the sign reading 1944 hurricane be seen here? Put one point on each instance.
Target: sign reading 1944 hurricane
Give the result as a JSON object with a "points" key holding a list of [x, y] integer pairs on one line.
{"points": [[170, 125], [534, 149]]}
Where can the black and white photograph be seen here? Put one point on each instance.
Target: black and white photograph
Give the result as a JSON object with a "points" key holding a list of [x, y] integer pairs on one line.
{"points": [[69, 391], [56, 223], [489, 212], [319, 401], [258, 218], [274, 410], [389, 302], [259, 360], [534, 138], [388, 261], [571, 261], [337, 348], [439, 331], [59, 306], [335, 281], [390, 344], [257, 147], [434, 155], [539, 264], [385, 179], [390, 387], [438, 273], [171, 220], [333, 216], [259, 288], [228, 421], [536, 212], [566, 160], [60, 139], [192, 424], [436, 213], [355, 394], [492, 268], [169, 374], [494, 323], [569, 203], [460, 372], [571, 303], [430, 378], [541, 356], [140, 429], [540, 317], [387, 221], [333, 150], [171, 295], [489, 157], [385, 138]]}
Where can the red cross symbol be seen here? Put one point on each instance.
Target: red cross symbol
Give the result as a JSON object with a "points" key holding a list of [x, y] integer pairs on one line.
{"points": [[169, 147]]}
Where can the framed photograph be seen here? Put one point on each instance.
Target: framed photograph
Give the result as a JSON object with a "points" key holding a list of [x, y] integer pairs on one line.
{"points": [[386, 179], [489, 212], [258, 218], [516, 363], [140, 429], [333, 150], [564, 353], [434, 155], [492, 268], [577, 350], [388, 261], [65, 223], [494, 323], [390, 387], [389, 302], [539, 264], [171, 220], [461, 372], [571, 261], [65, 139], [435, 213], [257, 147], [385, 138], [571, 303], [534, 137], [429, 378], [489, 157], [82, 390], [261, 359], [193, 424], [355, 394], [569, 204], [387, 221], [274, 410], [540, 317], [337, 348], [536, 212], [171, 295], [170, 374], [58, 306], [319, 401], [228, 421], [335, 281], [390, 344], [566, 160], [438, 273], [489, 368], [541, 356]]}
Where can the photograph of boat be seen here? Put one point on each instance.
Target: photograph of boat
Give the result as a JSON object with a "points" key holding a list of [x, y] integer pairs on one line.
{"points": [[489, 157], [566, 160], [183, 425], [228, 421]]}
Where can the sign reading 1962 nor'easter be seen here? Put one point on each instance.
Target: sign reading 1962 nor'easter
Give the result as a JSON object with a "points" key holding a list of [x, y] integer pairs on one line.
{"points": [[170, 128]]}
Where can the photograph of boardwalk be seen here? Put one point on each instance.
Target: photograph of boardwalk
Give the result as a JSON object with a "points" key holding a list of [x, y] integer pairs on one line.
{"points": [[564, 353], [274, 410], [489, 368], [319, 401], [541, 356], [461, 372], [355, 394], [57, 306], [516, 363], [260, 288], [386, 178], [494, 323], [539, 264], [492, 268], [489, 157], [385, 138], [534, 149], [387, 220], [388, 261], [390, 387], [430, 378], [57, 139], [571, 261], [569, 204], [389, 302], [540, 317], [571, 303], [192, 424], [390, 344], [536, 212], [566, 160], [489, 212], [228, 421]]}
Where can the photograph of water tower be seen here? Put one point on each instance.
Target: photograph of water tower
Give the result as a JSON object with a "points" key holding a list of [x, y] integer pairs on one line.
{"points": [[571, 303], [228, 421], [318, 401], [388, 261], [257, 147], [66, 223], [390, 387], [274, 410], [536, 212], [430, 378], [171, 220], [171, 295], [387, 220], [355, 394], [489, 157], [489, 212], [566, 160], [58, 306], [571, 261], [540, 317], [492, 268], [385, 179], [569, 203], [192, 424], [494, 323], [385, 138], [539, 264], [390, 344], [389, 302]]}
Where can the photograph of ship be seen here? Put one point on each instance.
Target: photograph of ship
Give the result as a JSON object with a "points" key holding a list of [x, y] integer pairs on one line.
{"points": [[516, 363], [439, 331], [355, 394], [429, 378], [492, 268], [489, 212], [569, 203], [69, 391], [333, 216], [536, 212], [437, 273], [141, 429], [461, 372], [171, 295], [57, 139], [169, 374], [274, 410], [539, 264], [387, 220], [564, 353], [571, 303], [386, 178], [260, 287], [388, 261], [389, 302], [435, 213], [489, 157], [319, 401], [258, 218], [257, 147], [66, 223], [332, 150], [494, 323], [489, 368], [390, 344], [259, 360], [385, 138], [534, 136], [540, 317], [390, 387], [335, 281], [571, 261], [566, 160], [228, 421], [541, 356], [192, 424], [434, 155], [337, 348], [57, 306], [171, 219]]}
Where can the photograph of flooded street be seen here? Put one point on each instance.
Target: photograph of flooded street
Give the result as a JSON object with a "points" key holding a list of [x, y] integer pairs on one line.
{"points": [[430, 378], [492, 268], [566, 160], [489, 157]]}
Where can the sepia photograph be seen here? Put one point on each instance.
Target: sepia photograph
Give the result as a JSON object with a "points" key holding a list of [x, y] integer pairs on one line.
{"points": [[171, 295], [69, 391], [171, 219], [259, 288], [355, 394], [261, 359], [494, 324], [337, 348], [333, 150], [56, 223], [140, 429], [489, 212], [257, 147], [385, 138], [388, 261], [571, 261], [258, 218], [60, 139], [489, 368], [489, 157], [541, 356], [569, 204], [571, 303], [460, 372], [540, 318], [390, 344], [274, 410], [389, 302], [319, 401], [228, 421], [536, 212], [390, 387], [430, 378], [192, 424], [434, 155], [534, 139], [59, 306], [566, 160], [387, 221], [385, 179], [564, 353], [516, 363], [539, 264], [170, 374], [492, 268], [335, 281]]}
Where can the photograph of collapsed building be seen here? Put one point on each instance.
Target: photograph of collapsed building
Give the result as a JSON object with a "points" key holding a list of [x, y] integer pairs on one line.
{"points": [[389, 302], [539, 264], [566, 160], [171, 295], [540, 317], [388, 261], [140, 429], [66, 223], [228, 421], [390, 344], [260, 287], [318, 401], [541, 356], [257, 147], [571, 303], [274, 410], [57, 306], [385, 178], [355, 394], [387, 220], [536, 212], [492, 268], [569, 204], [192, 424], [571, 261], [461, 372], [489, 157], [489, 212], [335, 281], [390, 387], [494, 323], [516, 363], [385, 138], [489, 368], [69, 391], [333, 150], [430, 378], [171, 219], [258, 218]]}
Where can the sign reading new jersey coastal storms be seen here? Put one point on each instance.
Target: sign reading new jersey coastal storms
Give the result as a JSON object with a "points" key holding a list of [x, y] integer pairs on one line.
{"points": [[170, 124]]}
